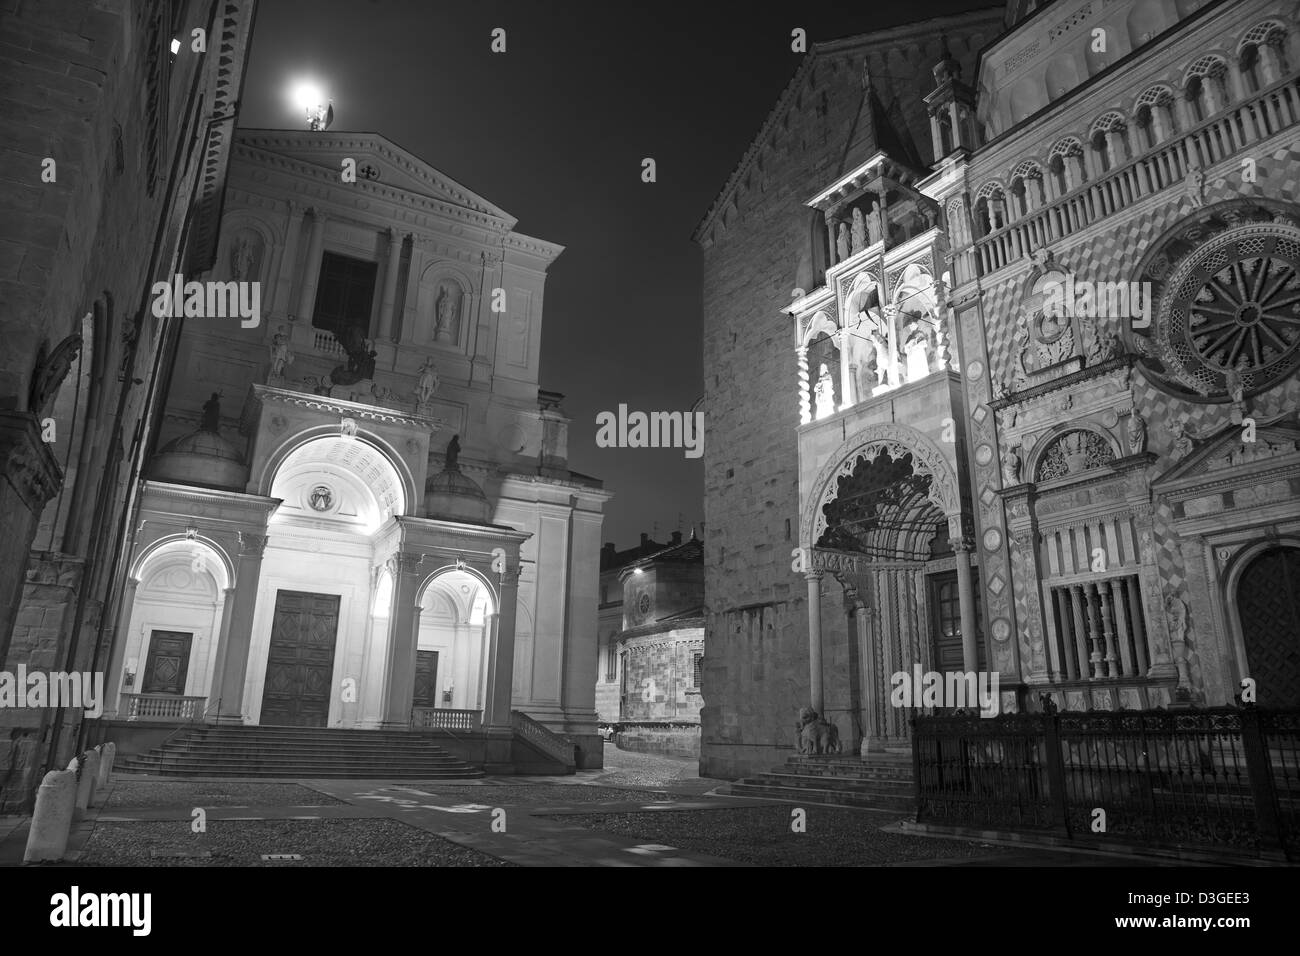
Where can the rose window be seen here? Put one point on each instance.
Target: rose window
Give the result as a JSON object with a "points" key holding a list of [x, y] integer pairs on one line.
{"points": [[1228, 294]]}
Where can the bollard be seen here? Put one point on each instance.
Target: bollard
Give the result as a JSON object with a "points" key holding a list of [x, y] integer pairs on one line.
{"points": [[52, 819], [88, 765], [108, 753]]}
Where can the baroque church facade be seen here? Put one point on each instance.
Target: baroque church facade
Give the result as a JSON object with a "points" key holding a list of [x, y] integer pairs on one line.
{"points": [[360, 514], [979, 465]]}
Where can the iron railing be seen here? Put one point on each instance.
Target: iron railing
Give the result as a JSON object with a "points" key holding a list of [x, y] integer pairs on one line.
{"points": [[1218, 779]]}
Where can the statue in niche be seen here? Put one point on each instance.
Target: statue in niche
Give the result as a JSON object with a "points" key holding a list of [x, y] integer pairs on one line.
{"points": [[842, 242], [874, 224], [450, 461], [1137, 432], [212, 414], [824, 392], [1182, 441], [1011, 467], [427, 383], [280, 355], [917, 349], [243, 259], [859, 231], [447, 307]]}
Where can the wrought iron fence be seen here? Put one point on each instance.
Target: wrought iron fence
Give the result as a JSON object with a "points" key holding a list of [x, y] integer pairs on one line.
{"points": [[1215, 778]]}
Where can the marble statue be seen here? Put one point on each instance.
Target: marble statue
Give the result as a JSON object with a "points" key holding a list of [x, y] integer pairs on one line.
{"points": [[446, 318], [859, 231], [824, 392], [212, 414], [450, 459], [1010, 467], [842, 242], [1196, 187], [427, 383], [241, 259], [280, 355], [917, 350], [1182, 441], [1137, 433], [875, 224]]}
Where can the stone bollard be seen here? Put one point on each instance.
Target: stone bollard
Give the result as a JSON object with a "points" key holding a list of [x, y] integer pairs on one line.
{"points": [[52, 819], [89, 764], [107, 754]]}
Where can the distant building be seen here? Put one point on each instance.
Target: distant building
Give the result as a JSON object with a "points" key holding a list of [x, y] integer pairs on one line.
{"points": [[650, 684], [610, 616]]}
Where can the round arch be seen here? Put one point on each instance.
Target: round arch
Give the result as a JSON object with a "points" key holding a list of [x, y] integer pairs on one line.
{"points": [[494, 599], [1033, 458], [276, 460], [177, 543], [928, 459], [1230, 582]]}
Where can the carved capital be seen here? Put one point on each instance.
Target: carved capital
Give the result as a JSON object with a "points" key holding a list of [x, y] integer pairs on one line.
{"points": [[27, 462], [251, 545]]}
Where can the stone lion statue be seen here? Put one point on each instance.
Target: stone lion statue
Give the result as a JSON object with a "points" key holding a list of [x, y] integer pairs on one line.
{"points": [[815, 735]]}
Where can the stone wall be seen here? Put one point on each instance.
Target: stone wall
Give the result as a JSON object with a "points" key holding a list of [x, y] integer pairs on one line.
{"points": [[757, 247], [660, 681]]}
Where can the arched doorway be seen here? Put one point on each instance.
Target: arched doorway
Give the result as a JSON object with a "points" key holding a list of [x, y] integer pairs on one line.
{"points": [[1268, 605], [454, 641]]}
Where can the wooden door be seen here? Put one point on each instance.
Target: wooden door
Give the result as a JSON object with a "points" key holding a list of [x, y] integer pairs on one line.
{"points": [[1268, 601], [300, 663], [167, 664], [426, 679]]}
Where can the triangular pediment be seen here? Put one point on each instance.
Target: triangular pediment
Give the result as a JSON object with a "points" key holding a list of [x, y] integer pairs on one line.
{"points": [[393, 166], [1224, 455]]}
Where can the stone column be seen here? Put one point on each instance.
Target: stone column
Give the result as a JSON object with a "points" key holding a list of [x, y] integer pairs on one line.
{"points": [[846, 375], [223, 644], [282, 298], [311, 270], [403, 637], [390, 284], [936, 135], [501, 660], [1270, 59], [113, 679], [814, 579], [957, 138], [411, 307], [805, 386], [970, 657], [238, 635]]}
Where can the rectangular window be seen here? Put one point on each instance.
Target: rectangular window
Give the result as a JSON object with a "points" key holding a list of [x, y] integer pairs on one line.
{"points": [[697, 669], [611, 661], [345, 294], [1100, 628], [945, 604]]}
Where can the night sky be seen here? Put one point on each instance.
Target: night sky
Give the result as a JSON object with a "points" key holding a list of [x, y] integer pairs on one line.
{"points": [[554, 131]]}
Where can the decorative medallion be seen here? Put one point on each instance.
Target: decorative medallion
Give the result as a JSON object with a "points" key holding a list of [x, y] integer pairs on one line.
{"points": [[992, 539], [1001, 629], [974, 370], [981, 412], [321, 498], [983, 454], [643, 604], [996, 584]]}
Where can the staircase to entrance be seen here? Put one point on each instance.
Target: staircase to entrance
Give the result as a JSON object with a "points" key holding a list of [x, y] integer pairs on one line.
{"points": [[880, 781], [212, 751]]}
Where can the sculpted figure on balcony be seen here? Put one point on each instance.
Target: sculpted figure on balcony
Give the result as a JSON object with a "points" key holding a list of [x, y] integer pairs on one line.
{"points": [[824, 392], [859, 231], [842, 242], [874, 224]]}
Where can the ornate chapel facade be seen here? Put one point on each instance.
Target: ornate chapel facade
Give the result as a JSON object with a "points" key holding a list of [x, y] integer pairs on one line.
{"points": [[1042, 318], [360, 514]]}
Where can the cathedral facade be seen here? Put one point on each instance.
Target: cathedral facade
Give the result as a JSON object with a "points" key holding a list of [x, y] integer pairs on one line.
{"points": [[1039, 312], [360, 514]]}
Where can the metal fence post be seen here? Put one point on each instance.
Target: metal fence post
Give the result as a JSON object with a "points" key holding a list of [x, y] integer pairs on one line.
{"points": [[1261, 780], [1055, 773]]}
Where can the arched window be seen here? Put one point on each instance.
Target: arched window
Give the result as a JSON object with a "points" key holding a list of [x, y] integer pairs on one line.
{"points": [[1261, 56], [1155, 115]]}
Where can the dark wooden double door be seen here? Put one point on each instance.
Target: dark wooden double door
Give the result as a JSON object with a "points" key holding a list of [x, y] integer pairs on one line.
{"points": [[300, 664], [1268, 603]]}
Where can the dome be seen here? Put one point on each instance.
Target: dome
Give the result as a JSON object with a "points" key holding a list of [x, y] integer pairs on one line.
{"points": [[451, 495], [200, 458]]}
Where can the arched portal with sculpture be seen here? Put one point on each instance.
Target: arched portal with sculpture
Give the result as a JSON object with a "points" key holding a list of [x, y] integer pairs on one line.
{"points": [[884, 518]]}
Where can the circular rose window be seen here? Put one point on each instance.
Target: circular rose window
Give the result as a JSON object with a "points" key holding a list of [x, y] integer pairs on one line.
{"points": [[643, 605], [1227, 287]]}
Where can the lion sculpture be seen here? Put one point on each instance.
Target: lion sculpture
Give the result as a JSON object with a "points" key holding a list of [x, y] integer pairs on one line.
{"points": [[815, 735]]}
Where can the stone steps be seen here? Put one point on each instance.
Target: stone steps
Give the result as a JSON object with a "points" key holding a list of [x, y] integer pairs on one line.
{"points": [[299, 752], [882, 782]]}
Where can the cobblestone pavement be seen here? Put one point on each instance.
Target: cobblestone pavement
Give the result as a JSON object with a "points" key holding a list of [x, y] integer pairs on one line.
{"points": [[336, 842], [639, 810]]}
